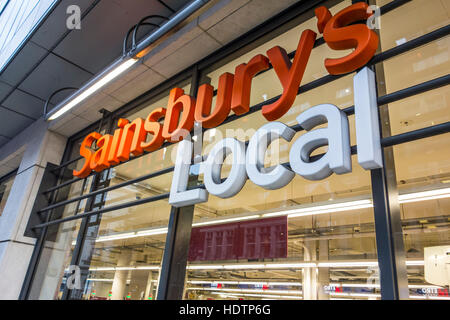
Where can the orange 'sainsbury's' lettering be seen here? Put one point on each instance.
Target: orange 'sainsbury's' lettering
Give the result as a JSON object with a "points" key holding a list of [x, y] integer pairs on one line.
{"points": [[244, 73], [99, 161], [205, 94], [339, 35], [153, 127], [132, 136], [174, 128], [87, 154], [234, 91], [290, 74]]}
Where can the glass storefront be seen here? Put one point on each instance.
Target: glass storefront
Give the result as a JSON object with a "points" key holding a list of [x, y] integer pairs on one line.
{"points": [[312, 240]]}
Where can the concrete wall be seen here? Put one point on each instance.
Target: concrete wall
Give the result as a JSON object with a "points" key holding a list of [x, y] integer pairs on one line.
{"points": [[31, 150]]}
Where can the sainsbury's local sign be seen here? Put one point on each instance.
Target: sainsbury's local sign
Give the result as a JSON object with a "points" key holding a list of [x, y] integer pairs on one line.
{"points": [[175, 122]]}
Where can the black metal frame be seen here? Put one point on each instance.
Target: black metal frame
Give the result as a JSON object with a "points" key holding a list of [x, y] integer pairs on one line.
{"points": [[278, 24]]}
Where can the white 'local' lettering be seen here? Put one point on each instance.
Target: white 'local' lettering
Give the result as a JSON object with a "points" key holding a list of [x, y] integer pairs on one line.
{"points": [[249, 162]]}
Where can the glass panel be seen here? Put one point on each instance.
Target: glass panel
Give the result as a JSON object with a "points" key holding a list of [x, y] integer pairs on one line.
{"points": [[423, 177], [412, 20], [121, 255], [5, 189], [329, 251], [55, 262], [422, 64], [122, 250], [126, 253]]}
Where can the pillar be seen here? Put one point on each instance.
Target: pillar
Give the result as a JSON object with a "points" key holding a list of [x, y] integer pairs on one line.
{"points": [[309, 286], [36, 146], [121, 276], [323, 278]]}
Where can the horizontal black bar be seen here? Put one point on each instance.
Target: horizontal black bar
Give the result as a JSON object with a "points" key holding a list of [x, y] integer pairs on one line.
{"points": [[414, 90], [110, 188], [64, 184], [392, 5], [411, 44], [416, 134], [67, 163], [103, 210]]}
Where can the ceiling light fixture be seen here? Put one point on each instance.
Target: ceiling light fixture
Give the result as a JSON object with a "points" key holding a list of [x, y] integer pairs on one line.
{"points": [[93, 86], [424, 195], [376, 285], [247, 290], [226, 220], [267, 296], [348, 264], [329, 208], [255, 283]]}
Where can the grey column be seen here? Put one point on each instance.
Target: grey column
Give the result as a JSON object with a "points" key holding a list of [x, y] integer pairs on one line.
{"points": [[36, 146], [323, 273], [309, 283], [121, 276]]}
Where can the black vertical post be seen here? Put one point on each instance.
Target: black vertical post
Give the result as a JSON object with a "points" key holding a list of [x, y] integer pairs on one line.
{"points": [[82, 253], [388, 224], [173, 269], [389, 235]]}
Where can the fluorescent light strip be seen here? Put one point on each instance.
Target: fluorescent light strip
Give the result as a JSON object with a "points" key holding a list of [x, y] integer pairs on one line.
{"points": [[336, 207], [415, 263], [256, 295], [348, 264], [424, 195], [296, 284], [116, 237], [204, 267], [114, 73], [356, 264], [129, 235], [226, 220], [151, 232], [253, 266], [100, 280], [247, 290], [376, 286], [355, 285], [346, 294], [124, 268]]}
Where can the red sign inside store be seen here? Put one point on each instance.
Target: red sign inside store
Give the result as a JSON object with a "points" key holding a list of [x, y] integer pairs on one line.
{"points": [[254, 239]]}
